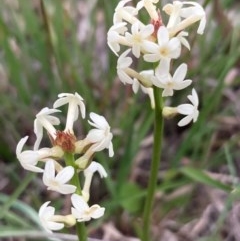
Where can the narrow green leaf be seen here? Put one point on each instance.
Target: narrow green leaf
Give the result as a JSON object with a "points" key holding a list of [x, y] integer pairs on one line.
{"points": [[22, 207], [202, 177]]}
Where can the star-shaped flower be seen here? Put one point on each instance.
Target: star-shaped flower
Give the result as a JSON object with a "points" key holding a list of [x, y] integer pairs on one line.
{"points": [[138, 39], [44, 119], [101, 136], [82, 212], [114, 36], [75, 102], [170, 83], [166, 48], [46, 215], [29, 159], [58, 183], [123, 12], [190, 110], [88, 173]]}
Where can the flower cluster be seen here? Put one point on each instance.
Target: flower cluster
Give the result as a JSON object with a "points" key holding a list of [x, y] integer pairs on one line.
{"points": [[56, 173], [158, 43]]}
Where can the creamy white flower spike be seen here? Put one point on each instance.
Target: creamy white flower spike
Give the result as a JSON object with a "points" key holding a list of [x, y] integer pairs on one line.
{"points": [[75, 102], [101, 136], [88, 173], [47, 218], [190, 110], [58, 183], [138, 38], [170, 83], [44, 119], [65, 144], [159, 43], [29, 159], [166, 49], [82, 212]]}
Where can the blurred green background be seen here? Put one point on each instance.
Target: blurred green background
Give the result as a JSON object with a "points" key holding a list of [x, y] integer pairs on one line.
{"points": [[48, 47]]}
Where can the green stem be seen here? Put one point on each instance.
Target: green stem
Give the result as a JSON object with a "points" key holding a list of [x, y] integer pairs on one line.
{"points": [[80, 226], [157, 147]]}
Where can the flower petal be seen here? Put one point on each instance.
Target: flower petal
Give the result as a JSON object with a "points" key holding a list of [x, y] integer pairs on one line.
{"points": [[78, 202], [65, 174]]}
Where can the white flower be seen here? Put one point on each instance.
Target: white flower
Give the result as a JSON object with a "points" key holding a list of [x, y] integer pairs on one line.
{"points": [[123, 64], [140, 4], [46, 215], [88, 173], [74, 101], [190, 110], [95, 167], [197, 12], [138, 38], [147, 76], [149, 92], [82, 212], [189, 15], [164, 80], [173, 10], [165, 49], [29, 159], [123, 12], [150, 8], [45, 120], [181, 36], [101, 137], [58, 183], [114, 37]]}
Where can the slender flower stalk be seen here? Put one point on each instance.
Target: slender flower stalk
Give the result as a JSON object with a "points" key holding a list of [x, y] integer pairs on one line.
{"points": [[156, 156], [80, 226]]}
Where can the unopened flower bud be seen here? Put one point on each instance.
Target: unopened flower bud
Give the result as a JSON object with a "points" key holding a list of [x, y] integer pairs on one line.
{"points": [[69, 220], [56, 151], [83, 162], [169, 112], [81, 145]]}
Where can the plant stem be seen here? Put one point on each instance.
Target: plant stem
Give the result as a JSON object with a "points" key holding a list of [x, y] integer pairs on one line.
{"points": [[157, 147], [80, 226]]}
